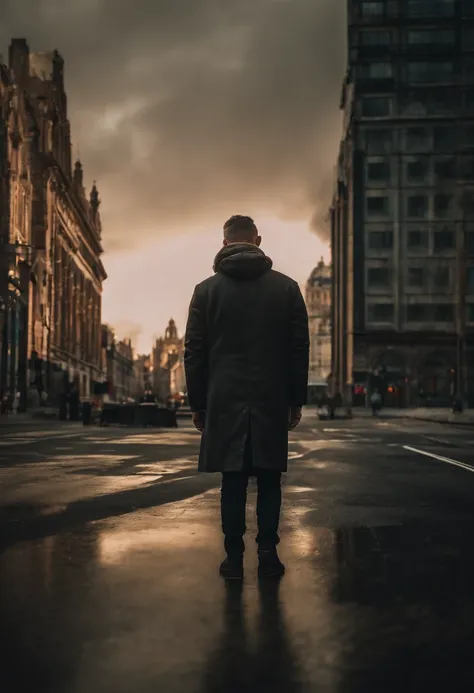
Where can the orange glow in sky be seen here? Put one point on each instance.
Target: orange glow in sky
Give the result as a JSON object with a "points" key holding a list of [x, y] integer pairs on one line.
{"points": [[148, 285]]}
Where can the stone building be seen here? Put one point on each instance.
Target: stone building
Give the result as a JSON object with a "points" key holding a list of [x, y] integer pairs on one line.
{"points": [[318, 304], [16, 192], [119, 365], [66, 277], [402, 218], [168, 366], [143, 377]]}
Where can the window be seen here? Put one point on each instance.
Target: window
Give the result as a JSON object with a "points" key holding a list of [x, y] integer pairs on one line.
{"points": [[445, 169], [444, 138], [416, 277], [431, 38], [470, 312], [418, 240], [470, 279], [416, 312], [372, 9], [444, 240], [378, 141], [468, 136], [374, 38], [376, 106], [442, 204], [430, 8], [381, 240], [378, 276], [377, 205], [443, 312], [418, 139], [381, 312], [430, 72], [442, 278], [417, 206], [468, 37], [378, 171], [469, 241], [467, 204], [377, 71], [467, 169], [417, 169]]}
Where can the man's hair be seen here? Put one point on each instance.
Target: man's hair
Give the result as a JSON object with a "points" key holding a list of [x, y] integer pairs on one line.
{"points": [[239, 227]]}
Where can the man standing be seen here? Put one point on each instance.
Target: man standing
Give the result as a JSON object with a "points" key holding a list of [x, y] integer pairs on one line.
{"points": [[246, 360]]}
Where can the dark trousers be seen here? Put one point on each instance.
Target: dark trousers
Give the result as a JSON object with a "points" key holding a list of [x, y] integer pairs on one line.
{"points": [[233, 502]]}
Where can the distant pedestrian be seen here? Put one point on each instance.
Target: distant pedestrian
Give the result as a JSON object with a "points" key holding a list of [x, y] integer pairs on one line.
{"points": [[246, 361]]}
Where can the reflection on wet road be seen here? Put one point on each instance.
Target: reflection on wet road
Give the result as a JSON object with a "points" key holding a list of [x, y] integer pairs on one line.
{"points": [[108, 571]]}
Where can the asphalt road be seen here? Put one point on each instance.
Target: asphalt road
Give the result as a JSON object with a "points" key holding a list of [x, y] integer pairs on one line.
{"points": [[110, 544]]}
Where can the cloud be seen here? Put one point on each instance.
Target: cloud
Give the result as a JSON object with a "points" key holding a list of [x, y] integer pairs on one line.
{"points": [[188, 111]]}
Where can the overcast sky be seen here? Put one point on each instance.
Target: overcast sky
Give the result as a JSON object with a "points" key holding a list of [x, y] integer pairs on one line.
{"points": [[189, 111]]}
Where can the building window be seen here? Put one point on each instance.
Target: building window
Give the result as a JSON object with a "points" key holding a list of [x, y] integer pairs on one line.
{"points": [[381, 240], [417, 206], [431, 37], [468, 37], [418, 139], [377, 205], [469, 241], [442, 278], [417, 169], [430, 8], [380, 312], [374, 38], [444, 139], [470, 280], [445, 169], [378, 276], [376, 106], [416, 277], [372, 9], [443, 312], [418, 240], [377, 70], [442, 204], [378, 141], [429, 72], [444, 240], [416, 312], [470, 312], [467, 204], [378, 171], [467, 169]]}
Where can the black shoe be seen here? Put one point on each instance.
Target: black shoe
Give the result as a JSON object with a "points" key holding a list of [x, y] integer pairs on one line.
{"points": [[232, 568], [269, 565]]}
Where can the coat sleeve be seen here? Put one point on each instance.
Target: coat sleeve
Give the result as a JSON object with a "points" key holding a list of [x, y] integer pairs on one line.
{"points": [[298, 349], [196, 353]]}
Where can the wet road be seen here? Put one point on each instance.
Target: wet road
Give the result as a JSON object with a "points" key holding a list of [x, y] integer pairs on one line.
{"points": [[110, 544]]}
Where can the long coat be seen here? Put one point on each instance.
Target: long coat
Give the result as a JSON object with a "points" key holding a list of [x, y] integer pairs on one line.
{"points": [[246, 359]]}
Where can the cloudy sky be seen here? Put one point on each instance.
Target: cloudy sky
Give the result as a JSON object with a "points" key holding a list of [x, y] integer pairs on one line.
{"points": [[189, 111]]}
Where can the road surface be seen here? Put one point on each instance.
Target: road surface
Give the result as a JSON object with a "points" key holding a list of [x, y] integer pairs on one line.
{"points": [[110, 545]]}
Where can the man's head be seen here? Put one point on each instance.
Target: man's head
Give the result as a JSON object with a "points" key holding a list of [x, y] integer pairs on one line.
{"points": [[240, 229]]}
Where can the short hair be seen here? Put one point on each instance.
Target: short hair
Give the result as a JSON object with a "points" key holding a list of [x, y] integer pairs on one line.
{"points": [[238, 227]]}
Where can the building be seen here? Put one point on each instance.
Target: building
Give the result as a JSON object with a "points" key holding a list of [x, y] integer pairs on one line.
{"points": [[402, 217], [143, 377], [318, 304], [119, 362], [65, 272], [168, 365], [16, 193]]}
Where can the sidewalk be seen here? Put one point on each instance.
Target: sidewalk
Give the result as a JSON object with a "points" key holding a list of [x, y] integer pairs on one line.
{"points": [[437, 415], [32, 417]]}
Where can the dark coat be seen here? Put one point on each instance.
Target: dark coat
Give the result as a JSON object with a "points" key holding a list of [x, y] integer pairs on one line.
{"points": [[246, 359]]}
